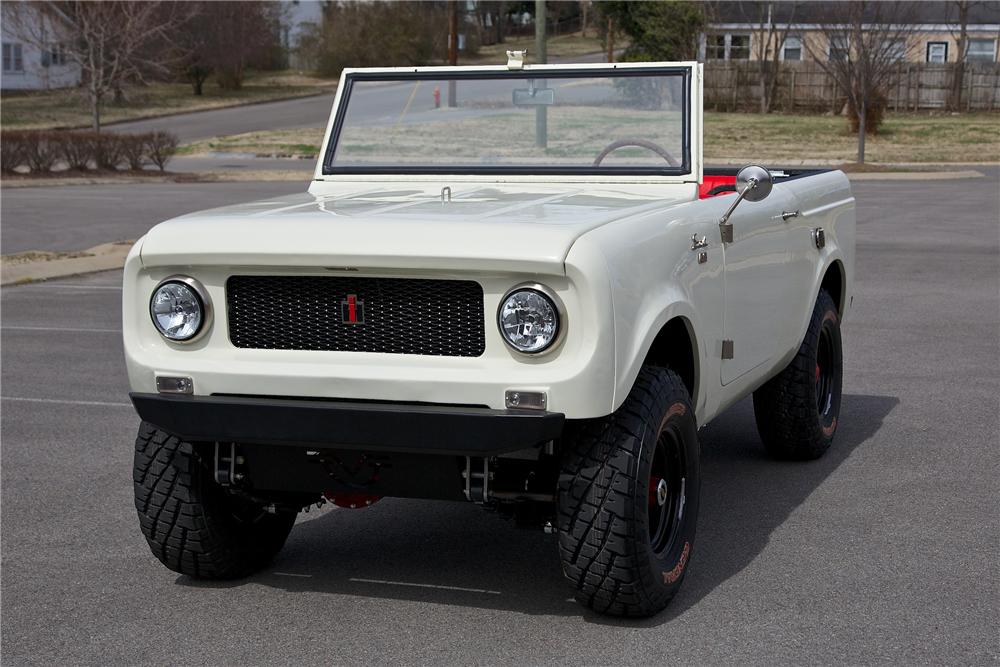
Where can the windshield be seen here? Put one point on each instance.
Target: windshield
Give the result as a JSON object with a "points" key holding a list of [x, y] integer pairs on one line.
{"points": [[563, 122]]}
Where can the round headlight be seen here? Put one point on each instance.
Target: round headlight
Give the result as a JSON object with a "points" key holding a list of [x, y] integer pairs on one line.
{"points": [[529, 320], [177, 309]]}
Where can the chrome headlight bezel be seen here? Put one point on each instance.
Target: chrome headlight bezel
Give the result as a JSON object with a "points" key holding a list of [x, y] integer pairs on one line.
{"points": [[201, 296], [557, 307]]}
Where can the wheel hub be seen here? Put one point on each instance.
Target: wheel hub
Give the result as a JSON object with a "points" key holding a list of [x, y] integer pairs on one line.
{"points": [[661, 493]]}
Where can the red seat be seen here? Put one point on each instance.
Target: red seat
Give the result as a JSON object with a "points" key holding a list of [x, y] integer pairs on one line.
{"points": [[710, 183]]}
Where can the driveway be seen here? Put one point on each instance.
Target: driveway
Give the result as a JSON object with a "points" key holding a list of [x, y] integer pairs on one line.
{"points": [[886, 550], [78, 217]]}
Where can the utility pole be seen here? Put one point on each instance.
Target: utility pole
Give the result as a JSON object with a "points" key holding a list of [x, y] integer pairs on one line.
{"points": [[452, 46], [611, 40], [541, 117]]}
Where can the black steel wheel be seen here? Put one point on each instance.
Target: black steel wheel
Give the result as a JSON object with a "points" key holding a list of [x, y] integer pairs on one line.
{"points": [[667, 490], [627, 503], [797, 410]]}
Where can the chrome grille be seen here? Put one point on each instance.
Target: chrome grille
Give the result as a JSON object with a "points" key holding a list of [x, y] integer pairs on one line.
{"points": [[393, 315]]}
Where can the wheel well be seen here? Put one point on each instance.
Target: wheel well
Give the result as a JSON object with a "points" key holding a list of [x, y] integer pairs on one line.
{"points": [[833, 283], [674, 348]]}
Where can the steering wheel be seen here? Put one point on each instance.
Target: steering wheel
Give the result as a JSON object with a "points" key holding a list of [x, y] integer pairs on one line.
{"points": [[642, 143]]}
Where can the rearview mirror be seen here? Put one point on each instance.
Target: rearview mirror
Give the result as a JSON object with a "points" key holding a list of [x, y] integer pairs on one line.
{"points": [[534, 97]]}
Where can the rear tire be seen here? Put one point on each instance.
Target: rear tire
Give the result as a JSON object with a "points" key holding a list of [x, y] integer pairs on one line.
{"points": [[628, 499], [192, 524], [797, 410]]}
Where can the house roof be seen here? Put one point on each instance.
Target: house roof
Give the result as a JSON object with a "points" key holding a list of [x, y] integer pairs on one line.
{"points": [[933, 12]]}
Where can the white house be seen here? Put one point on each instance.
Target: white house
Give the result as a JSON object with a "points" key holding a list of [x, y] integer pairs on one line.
{"points": [[34, 57], [300, 19]]}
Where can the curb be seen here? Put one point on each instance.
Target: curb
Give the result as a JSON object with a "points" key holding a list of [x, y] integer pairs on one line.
{"points": [[46, 265], [913, 175]]}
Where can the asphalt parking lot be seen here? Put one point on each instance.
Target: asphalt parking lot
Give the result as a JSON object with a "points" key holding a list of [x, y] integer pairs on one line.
{"points": [[886, 550]]}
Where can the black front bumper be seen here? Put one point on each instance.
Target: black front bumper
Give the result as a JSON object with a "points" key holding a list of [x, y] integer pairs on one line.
{"points": [[388, 427]]}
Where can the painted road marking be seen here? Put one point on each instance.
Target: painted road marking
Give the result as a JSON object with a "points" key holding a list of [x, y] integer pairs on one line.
{"points": [[406, 583], [103, 404]]}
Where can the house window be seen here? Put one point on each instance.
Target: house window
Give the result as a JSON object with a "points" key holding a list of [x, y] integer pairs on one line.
{"points": [[937, 52], [727, 47], [895, 50], [57, 54], [715, 47], [981, 50], [13, 61], [839, 48], [739, 47], [792, 48]]}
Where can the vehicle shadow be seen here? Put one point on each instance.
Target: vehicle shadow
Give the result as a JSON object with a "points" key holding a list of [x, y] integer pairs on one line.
{"points": [[457, 554]]}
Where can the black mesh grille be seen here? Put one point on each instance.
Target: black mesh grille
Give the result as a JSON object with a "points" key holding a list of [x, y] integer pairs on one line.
{"points": [[394, 315]]}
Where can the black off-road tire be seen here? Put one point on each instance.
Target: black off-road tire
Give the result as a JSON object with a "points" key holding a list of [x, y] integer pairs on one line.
{"points": [[797, 410], [616, 562], [192, 524]]}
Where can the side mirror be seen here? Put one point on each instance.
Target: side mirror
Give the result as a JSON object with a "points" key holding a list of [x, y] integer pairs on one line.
{"points": [[753, 183]]}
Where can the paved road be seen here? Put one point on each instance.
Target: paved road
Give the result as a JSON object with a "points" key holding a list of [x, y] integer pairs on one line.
{"points": [[884, 551], [82, 216], [285, 114]]}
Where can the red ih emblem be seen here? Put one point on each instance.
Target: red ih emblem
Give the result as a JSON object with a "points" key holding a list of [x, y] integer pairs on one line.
{"points": [[352, 310]]}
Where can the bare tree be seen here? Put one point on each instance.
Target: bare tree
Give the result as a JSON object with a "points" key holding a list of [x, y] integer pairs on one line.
{"points": [[866, 41], [961, 8], [226, 38], [113, 42], [769, 37], [368, 34]]}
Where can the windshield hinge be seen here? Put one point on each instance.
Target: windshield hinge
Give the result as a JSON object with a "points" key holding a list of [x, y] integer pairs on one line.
{"points": [[515, 59]]}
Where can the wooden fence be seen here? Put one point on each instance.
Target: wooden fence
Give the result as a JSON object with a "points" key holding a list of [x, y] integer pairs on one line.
{"points": [[805, 86]]}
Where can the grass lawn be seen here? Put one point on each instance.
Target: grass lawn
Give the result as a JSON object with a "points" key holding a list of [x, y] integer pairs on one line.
{"points": [[772, 138], [69, 108], [968, 137]]}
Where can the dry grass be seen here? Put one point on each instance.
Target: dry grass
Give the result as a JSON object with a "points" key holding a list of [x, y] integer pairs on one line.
{"points": [[68, 108], [734, 136], [562, 47], [305, 142], [902, 138]]}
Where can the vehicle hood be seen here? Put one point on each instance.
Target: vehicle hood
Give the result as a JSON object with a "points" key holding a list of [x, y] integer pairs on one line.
{"points": [[482, 227]]}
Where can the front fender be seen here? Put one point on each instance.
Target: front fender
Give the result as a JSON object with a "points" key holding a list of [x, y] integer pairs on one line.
{"points": [[654, 276]]}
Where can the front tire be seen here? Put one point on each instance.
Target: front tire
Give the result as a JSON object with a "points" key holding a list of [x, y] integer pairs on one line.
{"points": [[797, 411], [192, 524], [628, 499]]}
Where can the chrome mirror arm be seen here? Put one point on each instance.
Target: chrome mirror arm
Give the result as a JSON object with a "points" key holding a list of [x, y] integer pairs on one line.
{"points": [[751, 184], [757, 182]]}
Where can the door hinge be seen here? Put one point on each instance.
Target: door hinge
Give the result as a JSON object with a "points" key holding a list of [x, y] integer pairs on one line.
{"points": [[727, 349], [726, 231]]}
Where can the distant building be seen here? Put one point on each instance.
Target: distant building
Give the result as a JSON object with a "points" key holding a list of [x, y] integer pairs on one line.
{"points": [[34, 55], [302, 20], [737, 26]]}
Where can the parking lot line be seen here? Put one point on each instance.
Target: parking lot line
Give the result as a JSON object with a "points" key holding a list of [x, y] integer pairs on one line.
{"points": [[406, 583], [114, 288], [58, 401], [68, 329]]}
